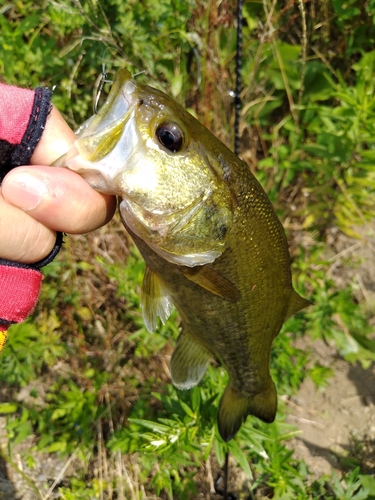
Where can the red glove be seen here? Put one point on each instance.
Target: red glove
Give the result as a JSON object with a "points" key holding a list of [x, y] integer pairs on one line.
{"points": [[23, 114]]}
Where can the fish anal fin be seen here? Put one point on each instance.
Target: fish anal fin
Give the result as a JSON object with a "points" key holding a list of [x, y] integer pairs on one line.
{"points": [[213, 281], [235, 407], [189, 361], [296, 303], [155, 300]]}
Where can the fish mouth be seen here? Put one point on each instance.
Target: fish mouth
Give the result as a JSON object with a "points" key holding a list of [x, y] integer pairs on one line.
{"points": [[119, 101], [106, 141]]}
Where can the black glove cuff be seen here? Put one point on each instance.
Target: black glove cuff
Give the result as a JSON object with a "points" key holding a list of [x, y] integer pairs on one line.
{"points": [[41, 263]]}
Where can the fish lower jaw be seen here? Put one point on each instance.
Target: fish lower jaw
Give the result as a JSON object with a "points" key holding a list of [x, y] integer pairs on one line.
{"points": [[98, 182]]}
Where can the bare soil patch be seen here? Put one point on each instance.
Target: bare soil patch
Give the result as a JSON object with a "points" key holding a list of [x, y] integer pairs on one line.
{"points": [[337, 424]]}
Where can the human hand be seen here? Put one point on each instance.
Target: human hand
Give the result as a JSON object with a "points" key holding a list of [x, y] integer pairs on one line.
{"points": [[38, 200]]}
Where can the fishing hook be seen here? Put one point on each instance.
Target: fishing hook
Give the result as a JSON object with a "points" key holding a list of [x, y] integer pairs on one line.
{"points": [[102, 82]]}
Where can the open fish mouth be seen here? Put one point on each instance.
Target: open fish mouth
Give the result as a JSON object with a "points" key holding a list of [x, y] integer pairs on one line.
{"points": [[106, 141], [114, 111]]}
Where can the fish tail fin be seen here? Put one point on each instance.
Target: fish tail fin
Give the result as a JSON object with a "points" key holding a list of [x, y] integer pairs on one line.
{"points": [[234, 408]]}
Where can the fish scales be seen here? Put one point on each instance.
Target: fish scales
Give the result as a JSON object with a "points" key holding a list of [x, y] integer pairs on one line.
{"points": [[212, 242]]}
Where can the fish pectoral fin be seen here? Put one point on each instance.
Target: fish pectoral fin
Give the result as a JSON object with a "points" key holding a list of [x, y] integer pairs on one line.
{"points": [[213, 281], [189, 361], [155, 300], [234, 408], [296, 303]]}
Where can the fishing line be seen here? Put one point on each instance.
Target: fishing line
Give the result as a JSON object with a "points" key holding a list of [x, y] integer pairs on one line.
{"points": [[237, 95], [237, 111], [226, 476], [143, 72]]}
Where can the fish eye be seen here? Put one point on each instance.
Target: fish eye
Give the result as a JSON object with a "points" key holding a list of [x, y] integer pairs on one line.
{"points": [[170, 136]]}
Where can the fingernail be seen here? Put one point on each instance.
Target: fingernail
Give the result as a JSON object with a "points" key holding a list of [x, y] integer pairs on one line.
{"points": [[24, 190]]}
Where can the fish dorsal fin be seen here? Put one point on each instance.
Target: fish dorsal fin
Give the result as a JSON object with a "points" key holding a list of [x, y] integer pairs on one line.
{"points": [[296, 303], [155, 300], [213, 281], [189, 361]]}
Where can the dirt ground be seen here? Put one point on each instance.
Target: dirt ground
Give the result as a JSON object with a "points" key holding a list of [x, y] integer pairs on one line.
{"points": [[337, 424]]}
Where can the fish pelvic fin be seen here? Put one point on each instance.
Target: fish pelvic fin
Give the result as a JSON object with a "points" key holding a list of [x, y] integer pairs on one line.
{"points": [[189, 361], [296, 303], [234, 408], [155, 300]]}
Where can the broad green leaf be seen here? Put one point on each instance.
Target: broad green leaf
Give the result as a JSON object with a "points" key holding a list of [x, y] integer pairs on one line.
{"points": [[368, 483], [154, 426], [187, 410], [220, 450], [57, 446], [8, 407], [240, 456]]}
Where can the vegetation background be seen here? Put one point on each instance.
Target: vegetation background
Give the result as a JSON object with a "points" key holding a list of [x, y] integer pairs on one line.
{"points": [[83, 380]]}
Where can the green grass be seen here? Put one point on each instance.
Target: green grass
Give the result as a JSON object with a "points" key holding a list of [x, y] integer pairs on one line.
{"points": [[308, 134]]}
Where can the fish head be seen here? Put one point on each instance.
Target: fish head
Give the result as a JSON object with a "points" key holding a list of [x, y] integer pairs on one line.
{"points": [[147, 149]]}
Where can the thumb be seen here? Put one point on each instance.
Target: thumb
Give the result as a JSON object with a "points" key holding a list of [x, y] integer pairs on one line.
{"points": [[57, 198]]}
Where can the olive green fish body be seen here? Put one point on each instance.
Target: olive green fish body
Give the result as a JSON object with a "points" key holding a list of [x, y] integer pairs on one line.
{"points": [[210, 237], [236, 330]]}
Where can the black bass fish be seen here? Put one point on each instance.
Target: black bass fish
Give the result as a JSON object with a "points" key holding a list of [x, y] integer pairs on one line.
{"points": [[211, 240]]}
